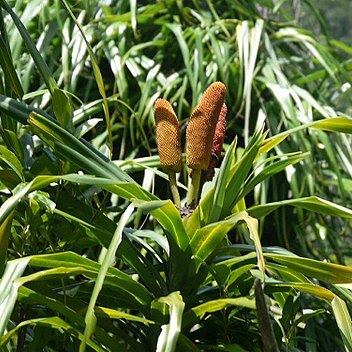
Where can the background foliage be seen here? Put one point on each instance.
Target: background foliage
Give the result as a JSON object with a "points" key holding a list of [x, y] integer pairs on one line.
{"points": [[93, 69]]}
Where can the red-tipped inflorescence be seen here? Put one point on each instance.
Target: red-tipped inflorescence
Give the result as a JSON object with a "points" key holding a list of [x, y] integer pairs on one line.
{"points": [[219, 137]]}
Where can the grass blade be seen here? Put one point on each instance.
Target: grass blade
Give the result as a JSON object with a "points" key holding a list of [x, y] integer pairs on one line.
{"points": [[9, 289], [9, 70], [343, 320], [38, 60], [90, 318], [97, 75]]}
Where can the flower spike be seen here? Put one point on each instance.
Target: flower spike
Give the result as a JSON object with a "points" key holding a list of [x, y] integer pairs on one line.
{"points": [[168, 136], [169, 143], [200, 136], [219, 138], [201, 126]]}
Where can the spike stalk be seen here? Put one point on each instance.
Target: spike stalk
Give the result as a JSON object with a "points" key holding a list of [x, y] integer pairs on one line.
{"points": [[193, 188], [173, 188]]}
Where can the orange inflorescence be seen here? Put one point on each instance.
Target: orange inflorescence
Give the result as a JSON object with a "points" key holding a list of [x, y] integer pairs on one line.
{"points": [[219, 137], [201, 126], [168, 136]]}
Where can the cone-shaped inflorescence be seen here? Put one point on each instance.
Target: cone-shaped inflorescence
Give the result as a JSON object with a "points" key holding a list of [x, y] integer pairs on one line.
{"points": [[169, 143], [201, 126], [219, 137], [168, 136], [200, 136]]}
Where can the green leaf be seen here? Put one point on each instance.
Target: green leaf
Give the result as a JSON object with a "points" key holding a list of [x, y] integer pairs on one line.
{"points": [[54, 323], [10, 204], [69, 309], [208, 238], [177, 31], [13, 143], [62, 108], [11, 160], [128, 191], [326, 272], [116, 278], [75, 150], [169, 218], [168, 337], [237, 273], [90, 318], [334, 124], [224, 252], [221, 183], [5, 231], [252, 225], [100, 234], [248, 44], [147, 271], [271, 143], [129, 292], [97, 75], [304, 317], [19, 111], [195, 314], [105, 312], [311, 289], [271, 170], [85, 127], [8, 290], [344, 322], [9, 70], [314, 204], [38, 60], [239, 172]]}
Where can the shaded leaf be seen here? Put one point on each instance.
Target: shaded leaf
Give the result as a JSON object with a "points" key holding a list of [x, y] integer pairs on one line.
{"points": [[9, 70]]}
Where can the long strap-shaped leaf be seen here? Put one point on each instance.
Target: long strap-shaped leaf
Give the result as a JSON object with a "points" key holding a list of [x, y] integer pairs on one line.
{"points": [[97, 75], [9, 70], [343, 320], [90, 317], [38, 60], [315, 204], [208, 238], [18, 110], [74, 149], [168, 337], [53, 323]]}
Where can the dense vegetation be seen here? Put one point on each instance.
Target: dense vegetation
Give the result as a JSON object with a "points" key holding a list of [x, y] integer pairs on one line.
{"points": [[93, 253]]}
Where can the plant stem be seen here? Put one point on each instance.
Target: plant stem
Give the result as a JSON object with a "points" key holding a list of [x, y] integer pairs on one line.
{"points": [[174, 189], [265, 327], [193, 188]]}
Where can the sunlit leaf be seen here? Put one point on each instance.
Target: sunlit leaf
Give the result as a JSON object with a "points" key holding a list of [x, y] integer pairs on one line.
{"points": [[314, 204], [343, 320], [168, 337]]}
